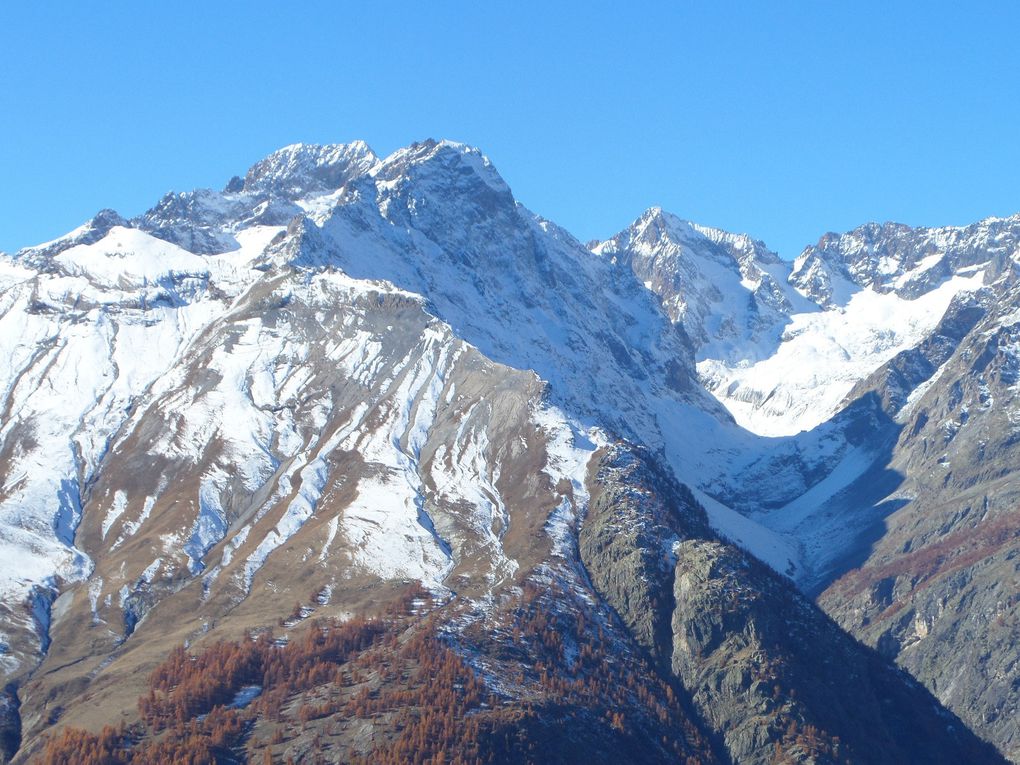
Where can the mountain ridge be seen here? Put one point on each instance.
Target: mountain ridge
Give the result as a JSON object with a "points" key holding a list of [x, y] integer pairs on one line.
{"points": [[412, 376]]}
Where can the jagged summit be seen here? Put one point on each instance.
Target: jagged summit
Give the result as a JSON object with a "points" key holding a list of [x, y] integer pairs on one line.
{"points": [[656, 224], [725, 289], [445, 168], [284, 184], [893, 257], [300, 169]]}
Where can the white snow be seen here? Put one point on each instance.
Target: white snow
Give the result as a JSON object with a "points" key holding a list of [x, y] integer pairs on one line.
{"points": [[386, 524], [314, 474], [129, 258], [245, 696], [134, 326], [116, 511], [823, 354], [468, 474], [211, 522], [569, 449], [78, 345], [332, 527], [780, 552]]}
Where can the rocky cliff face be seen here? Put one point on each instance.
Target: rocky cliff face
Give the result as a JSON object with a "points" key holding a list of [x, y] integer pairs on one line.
{"points": [[769, 674], [252, 409], [938, 591]]}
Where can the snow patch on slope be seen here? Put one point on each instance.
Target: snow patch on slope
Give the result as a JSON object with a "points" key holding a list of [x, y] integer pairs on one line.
{"points": [[779, 552], [467, 474], [387, 525], [80, 342], [314, 473], [570, 448]]}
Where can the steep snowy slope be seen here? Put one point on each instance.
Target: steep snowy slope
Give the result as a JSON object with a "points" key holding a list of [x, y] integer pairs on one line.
{"points": [[82, 341], [821, 355]]}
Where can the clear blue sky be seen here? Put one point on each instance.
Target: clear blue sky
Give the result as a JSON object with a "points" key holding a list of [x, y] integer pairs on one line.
{"points": [[780, 119]]}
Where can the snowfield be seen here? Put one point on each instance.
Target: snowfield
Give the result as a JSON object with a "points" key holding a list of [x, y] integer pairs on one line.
{"points": [[823, 354]]}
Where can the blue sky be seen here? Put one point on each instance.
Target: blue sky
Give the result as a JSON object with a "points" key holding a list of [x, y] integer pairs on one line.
{"points": [[780, 119]]}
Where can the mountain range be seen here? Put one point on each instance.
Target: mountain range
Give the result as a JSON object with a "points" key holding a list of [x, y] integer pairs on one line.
{"points": [[664, 497]]}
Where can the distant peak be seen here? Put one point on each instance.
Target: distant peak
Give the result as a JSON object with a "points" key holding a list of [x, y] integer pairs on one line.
{"points": [[656, 224], [865, 234], [449, 156], [656, 214], [910, 261], [94, 229], [106, 219], [660, 231], [652, 213], [873, 234], [301, 168]]}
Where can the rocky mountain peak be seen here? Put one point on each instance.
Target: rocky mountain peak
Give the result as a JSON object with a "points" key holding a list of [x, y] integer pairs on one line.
{"points": [[444, 167], [300, 169], [726, 289], [657, 226], [91, 231], [664, 232], [894, 257]]}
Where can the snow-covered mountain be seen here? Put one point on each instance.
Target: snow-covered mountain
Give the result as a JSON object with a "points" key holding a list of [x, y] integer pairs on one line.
{"points": [[102, 334], [344, 372], [780, 344]]}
